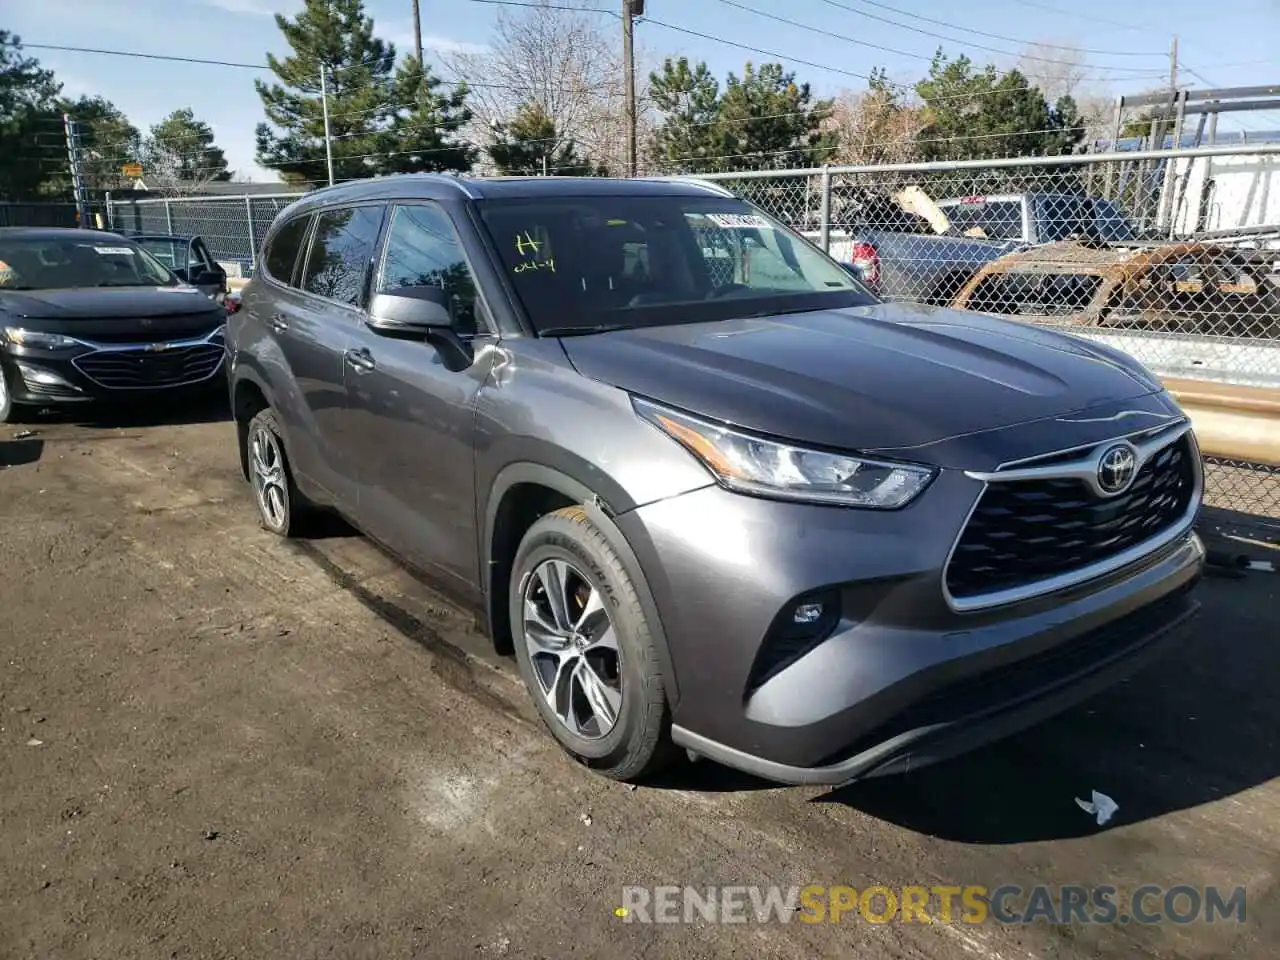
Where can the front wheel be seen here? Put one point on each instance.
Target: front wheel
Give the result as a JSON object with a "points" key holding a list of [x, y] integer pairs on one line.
{"points": [[585, 648], [8, 411]]}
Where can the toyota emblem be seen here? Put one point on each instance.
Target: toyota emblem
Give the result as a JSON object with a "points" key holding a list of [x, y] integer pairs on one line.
{"points": [[1117, 467]]}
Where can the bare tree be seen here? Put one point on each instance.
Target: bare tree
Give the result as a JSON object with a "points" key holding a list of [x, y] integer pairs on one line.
{"points": [[1069, 76], [876, 125], [564, 61], [1057, 69]]}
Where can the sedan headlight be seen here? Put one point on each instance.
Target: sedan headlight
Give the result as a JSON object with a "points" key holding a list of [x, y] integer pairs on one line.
{"points": [[767, 468], [39, 339]]}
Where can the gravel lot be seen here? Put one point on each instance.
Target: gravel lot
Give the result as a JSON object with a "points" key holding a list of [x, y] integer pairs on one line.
{"points": [[216, 744]]}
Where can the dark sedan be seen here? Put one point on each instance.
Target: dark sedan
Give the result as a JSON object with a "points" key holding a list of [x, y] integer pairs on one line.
{"points": [[86, 315]]}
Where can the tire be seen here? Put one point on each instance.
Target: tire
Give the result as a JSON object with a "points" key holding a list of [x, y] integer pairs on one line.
{"points": [[565, 546], [276, 496], [9, 411]]}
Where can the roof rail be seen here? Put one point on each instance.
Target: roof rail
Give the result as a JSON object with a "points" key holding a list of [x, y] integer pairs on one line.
{"points": [[695, 182]]}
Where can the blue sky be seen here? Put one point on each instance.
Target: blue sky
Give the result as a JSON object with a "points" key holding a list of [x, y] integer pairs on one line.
{"points": [[1226, 43]]}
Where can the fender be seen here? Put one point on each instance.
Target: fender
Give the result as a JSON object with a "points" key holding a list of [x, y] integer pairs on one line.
{"points": [[601, 514], [239, 372]]}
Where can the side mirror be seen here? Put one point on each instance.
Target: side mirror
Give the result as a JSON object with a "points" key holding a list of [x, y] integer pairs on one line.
{"points": [[206, 277], [413, 312], [420, 313]]}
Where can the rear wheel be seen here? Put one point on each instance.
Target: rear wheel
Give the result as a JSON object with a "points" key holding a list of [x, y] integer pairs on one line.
{"points": [[585, 649], [273, 487]]}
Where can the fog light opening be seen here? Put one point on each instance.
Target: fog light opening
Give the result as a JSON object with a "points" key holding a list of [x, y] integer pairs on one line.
{"points": [[36, 377]]}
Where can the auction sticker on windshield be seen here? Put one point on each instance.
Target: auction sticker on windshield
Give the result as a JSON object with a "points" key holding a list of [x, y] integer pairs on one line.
{"points": [[108, 251], [741, 221]]}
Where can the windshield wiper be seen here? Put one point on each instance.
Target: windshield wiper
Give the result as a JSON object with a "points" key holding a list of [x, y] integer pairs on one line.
{"points": [[583, 330], [115, 283]]}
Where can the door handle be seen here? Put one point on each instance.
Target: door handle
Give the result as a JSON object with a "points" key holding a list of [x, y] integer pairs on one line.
{"points": [[278, 323], [360, 360]]}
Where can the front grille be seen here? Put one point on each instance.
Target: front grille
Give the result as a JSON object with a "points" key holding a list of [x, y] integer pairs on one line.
{"points": [[1024, 531], [144, 369]]}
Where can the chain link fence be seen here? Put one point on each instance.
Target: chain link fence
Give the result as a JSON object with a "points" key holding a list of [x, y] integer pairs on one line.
{"points": [[1171, 256], [233, 227]]}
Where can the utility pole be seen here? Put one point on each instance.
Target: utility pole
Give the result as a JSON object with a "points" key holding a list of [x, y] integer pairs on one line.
{"points": [[324, 106], [417, 30], [1173, 64], [77, 180], [630, 10]]}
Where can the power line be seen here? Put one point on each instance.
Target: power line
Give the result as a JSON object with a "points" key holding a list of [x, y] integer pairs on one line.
{"points": [[146, 56], [876, 46], [997, 36], [546, 6], [942, 36]]}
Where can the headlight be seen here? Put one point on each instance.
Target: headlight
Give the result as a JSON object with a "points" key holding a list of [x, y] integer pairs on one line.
{"points": [[35, 338], [767, 468]]}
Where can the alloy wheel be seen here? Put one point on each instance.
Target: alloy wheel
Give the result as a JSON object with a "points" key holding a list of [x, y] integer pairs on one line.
{"points": [[573, 649], [270, 483]]}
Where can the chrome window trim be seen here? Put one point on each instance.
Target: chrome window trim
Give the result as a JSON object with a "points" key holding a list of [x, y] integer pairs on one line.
{"points": [[1160, 438]]}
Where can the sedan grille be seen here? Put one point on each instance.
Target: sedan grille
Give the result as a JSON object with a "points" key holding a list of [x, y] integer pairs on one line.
{"points": [[1025, 531], [146, 369]]}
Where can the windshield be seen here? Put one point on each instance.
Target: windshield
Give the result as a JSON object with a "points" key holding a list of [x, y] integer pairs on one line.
{"points": [[579, 263], [989, 220], [70, 262]]}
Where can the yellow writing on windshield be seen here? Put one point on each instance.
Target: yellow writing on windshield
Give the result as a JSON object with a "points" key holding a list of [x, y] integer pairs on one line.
{"points": [[536, 265], [525, 244]]}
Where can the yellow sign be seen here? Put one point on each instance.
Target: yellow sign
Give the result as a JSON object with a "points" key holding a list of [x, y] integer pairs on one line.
{"points": [[132, 169]]}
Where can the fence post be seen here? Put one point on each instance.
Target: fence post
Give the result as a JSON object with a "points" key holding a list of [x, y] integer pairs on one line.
{"points": [[168, 215], [111, 214], [826, 208], [253, 237]]}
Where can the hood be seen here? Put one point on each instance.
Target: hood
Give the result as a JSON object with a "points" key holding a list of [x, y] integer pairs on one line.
{"points": [[104, 303], [861, 378]]}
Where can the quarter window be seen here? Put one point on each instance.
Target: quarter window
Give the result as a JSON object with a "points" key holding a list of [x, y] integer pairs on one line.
{"points": [[341, 249], [423, 250]]}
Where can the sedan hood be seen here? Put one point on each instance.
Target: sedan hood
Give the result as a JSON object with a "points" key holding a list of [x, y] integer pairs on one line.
{"points": [[104, 303], [861, 378]]}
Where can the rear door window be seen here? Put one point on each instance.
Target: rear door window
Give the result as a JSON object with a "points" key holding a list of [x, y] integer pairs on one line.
{"points": [[986, 219], [281, 254], [342, 249]]}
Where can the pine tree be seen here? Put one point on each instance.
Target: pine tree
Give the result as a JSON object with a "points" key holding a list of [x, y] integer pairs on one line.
{"points": [[769, 122], [688, 100], [180, 153], [28, 109], [108, 141], [336, 36], [529, 145], [425, 130], [380, 120], [981, 113], [761, 121]]}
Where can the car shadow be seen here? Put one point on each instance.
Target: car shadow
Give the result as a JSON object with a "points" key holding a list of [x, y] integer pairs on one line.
{"points": [[20, 452], [152, 412], [1195, 727]]}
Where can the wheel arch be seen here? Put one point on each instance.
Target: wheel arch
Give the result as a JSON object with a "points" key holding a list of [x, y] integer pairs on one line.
{"points": [[520, 494]]}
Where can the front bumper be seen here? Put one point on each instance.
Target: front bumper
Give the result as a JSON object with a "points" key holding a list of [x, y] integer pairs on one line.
{"points": [[117, 371], [902, 680]]}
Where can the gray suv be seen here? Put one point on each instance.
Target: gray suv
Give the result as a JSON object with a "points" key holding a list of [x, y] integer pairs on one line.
{"points": [[710, 492]]}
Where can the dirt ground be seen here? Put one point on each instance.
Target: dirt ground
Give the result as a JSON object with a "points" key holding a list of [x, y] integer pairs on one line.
{"points": [[217, 744]]}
